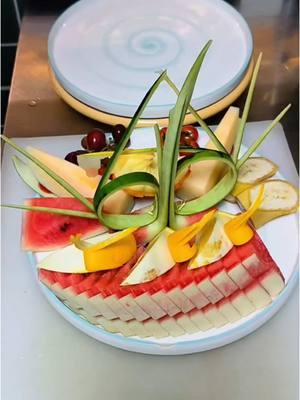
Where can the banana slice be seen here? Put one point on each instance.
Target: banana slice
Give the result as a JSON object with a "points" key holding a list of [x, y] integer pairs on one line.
{"points": [[254, 171], [280, 198]]}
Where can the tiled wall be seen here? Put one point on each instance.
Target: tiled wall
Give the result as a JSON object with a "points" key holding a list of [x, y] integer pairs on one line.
{"points": [[11, 14]]}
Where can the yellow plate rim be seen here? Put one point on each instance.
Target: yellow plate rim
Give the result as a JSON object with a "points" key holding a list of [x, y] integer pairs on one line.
{"points": [[111, 119]]}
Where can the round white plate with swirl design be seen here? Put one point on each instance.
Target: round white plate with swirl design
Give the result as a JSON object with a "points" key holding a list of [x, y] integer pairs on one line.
{"points": [[107, 53]]}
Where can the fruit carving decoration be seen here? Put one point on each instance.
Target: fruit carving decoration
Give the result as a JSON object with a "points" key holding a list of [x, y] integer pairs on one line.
{"points": [[175, 153]]}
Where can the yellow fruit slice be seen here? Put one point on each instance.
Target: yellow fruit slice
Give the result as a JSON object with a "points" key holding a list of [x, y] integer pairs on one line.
{"points": [[146, 162], [280, 198], [179, 241], [237, 229], [90, 162], [254, 171], [110, 253]]}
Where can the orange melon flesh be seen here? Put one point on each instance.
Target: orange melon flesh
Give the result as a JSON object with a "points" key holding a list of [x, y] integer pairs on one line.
{"points": [[119, 203], [205, 174], [73, 174]]}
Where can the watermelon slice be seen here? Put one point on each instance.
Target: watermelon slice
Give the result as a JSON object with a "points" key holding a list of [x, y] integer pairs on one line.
{"points": [[44, 232], [181, 300]]}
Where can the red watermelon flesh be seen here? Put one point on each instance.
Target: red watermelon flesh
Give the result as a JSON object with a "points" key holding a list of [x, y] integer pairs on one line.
{"points": [[107, 283], [44, 232]]}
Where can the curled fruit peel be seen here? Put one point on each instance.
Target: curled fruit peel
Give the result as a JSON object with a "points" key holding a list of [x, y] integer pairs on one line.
{"points": [[110, 253], [237, 229], [179, 241]]}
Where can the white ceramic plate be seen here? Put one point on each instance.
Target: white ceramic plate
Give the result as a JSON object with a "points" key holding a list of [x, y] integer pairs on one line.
{"points": [[106, 53], [281, 238]]}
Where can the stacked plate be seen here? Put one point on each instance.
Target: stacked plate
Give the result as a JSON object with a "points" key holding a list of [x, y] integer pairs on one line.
{"points": [[105, 54]]}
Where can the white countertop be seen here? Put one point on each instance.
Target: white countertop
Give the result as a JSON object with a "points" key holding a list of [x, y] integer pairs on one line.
{"points": [[46, 358]]}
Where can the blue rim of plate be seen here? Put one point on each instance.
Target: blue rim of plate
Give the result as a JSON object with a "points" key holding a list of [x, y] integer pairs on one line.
{"points": [[153, 111], [180, 348]]}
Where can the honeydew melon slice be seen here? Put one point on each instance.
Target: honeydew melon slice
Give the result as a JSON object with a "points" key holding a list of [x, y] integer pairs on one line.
{"points": [[213, 243], [156, 260], [70, 259], [26, 174]]}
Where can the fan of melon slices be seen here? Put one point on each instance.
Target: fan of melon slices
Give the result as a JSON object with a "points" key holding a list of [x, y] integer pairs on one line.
{"points": [[90, 223]]}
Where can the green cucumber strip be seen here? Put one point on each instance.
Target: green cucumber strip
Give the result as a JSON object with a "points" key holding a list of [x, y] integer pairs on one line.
{"points": [[51, 173], [59, 211], [197, 117], [25, 173], [159, 151], [119, 221], [258, 142], [241, 128], [171, 145], [217, 193], [125, 138]]}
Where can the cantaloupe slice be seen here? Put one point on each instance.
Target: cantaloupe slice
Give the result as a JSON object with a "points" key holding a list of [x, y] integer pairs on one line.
{"points": [[280, 198], [205, 174], [119, 203], [71, 173]]}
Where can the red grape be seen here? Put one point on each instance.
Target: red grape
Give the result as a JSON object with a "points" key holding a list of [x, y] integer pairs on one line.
{"points": [[190, 130], [188, 134], [96, 140], [194, 144], [118, 132], [84, 143]]}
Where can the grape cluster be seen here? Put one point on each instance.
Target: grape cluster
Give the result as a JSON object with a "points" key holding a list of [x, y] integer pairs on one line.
{"points": [[189, 136], [96, 140]]}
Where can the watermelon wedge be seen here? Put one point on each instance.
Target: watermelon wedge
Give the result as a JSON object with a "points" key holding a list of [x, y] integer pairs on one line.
{"points": [[245, 280], [44, 232]]}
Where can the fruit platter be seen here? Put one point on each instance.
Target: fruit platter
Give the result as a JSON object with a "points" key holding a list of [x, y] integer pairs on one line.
{"points": [[161, 242]]}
